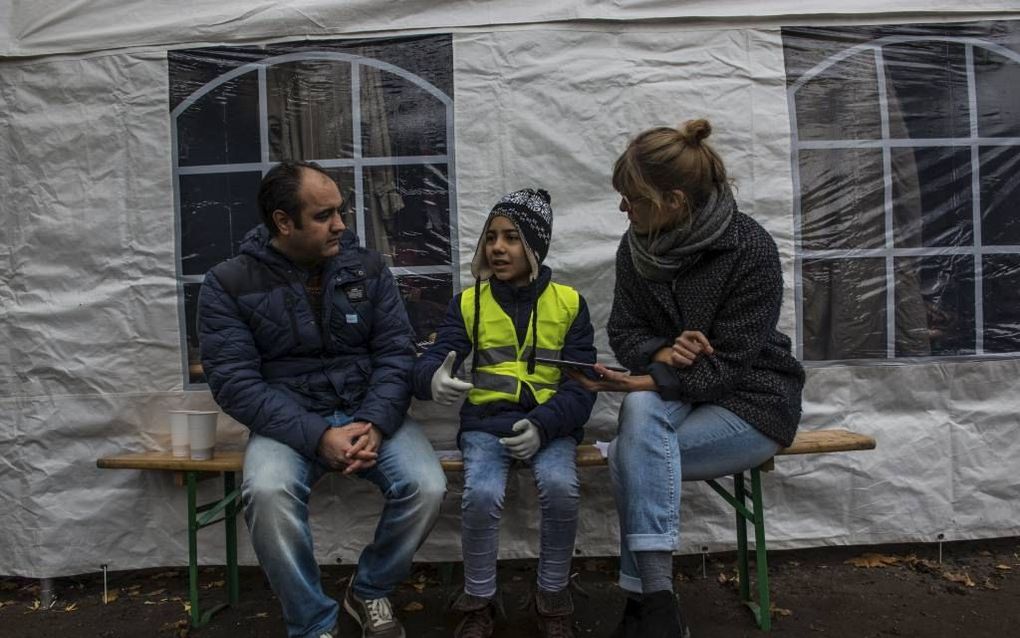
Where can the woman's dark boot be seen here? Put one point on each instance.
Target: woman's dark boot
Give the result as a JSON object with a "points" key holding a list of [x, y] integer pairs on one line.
{"points": [[629, 624], [555, 613], [661, 617]]}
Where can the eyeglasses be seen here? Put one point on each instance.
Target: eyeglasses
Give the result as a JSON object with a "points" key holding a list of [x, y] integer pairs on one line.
{"points": [[627, 202]]}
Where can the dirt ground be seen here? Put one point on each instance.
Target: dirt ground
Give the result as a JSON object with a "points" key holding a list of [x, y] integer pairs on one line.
{"points": [[857, 592]]}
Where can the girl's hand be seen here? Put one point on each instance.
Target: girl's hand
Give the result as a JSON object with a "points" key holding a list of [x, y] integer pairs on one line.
{"points": [[612, 381]]}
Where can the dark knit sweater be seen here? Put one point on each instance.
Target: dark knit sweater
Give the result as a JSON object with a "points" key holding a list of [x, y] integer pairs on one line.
{"points": [[732, 293]]}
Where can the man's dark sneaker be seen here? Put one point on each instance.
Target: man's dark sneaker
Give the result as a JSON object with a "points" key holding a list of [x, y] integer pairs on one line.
{"points": [[555, 613], [661, 617], [479, 619], [629, 624], [375, 615]]}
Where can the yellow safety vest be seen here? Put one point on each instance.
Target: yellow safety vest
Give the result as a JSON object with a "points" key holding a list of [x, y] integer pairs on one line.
{"points": [[502, 361]]}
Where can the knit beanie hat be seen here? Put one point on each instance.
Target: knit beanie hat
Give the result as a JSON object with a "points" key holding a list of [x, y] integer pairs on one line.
{"points": [[531, 213]]}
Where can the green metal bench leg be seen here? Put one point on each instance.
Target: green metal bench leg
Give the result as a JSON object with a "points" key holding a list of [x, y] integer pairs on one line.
{"points": [[196, 617], [745, 584], [761, 560], [228, 505], [230, 524]]}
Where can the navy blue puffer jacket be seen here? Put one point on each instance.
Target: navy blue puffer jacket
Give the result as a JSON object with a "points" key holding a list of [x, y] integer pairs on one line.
{"points": [[274, 368]]}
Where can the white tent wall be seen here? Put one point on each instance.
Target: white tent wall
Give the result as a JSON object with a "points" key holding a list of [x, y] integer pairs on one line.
{"points": [[90, 299], [47, 27]]}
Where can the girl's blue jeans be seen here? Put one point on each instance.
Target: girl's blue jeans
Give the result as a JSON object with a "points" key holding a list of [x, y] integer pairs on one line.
{"points": [[277, 483], [659, 444], [486, 464]]}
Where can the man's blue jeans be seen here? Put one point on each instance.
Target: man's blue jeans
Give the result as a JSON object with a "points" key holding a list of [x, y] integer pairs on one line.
{"points": [[277, 483], [659, 444], [486, 463]]}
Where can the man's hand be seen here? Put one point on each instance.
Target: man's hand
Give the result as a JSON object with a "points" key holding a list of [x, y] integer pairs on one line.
{"points": [[685, 349], [526, 443], [365, 451], [447, 389], [352, 446]]}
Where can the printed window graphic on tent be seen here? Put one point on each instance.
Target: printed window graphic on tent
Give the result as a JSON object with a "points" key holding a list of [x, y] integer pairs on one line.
{"points": [[906, 164], [376, 114]]}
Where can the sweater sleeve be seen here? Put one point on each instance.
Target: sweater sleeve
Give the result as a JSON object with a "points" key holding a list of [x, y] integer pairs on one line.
{"points": [[570, 408], [739, 331], [631, 336]]}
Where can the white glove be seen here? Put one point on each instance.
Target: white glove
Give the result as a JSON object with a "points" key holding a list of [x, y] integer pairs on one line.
{"points": [[524, 445], [446, 388]]}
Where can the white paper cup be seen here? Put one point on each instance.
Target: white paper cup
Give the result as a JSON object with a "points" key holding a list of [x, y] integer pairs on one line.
{"points": [[202, 434], [179, 432]]}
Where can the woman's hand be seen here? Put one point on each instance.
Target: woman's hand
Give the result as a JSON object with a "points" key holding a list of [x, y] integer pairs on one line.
{"points": [[685, 349], [612, 381]]}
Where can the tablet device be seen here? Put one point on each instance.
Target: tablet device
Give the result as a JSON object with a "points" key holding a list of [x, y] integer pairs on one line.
{"points": [[576, 365]]}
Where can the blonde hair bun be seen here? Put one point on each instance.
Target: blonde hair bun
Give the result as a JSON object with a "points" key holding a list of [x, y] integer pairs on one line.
{"points": [[694, 131]]}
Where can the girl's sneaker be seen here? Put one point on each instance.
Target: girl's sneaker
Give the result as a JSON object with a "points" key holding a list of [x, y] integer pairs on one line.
{"points": [[555, 613], [479, 619]]}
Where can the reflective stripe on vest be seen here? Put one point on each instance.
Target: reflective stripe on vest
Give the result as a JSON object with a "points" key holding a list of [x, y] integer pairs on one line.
{"points": [[502, 362]]}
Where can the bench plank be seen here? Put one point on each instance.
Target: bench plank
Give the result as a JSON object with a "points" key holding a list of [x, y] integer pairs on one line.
{"points": [[224, 461], [806, 442]]}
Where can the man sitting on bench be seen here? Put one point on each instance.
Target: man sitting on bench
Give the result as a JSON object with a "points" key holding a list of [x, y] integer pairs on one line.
{"points": [[305, 340]]}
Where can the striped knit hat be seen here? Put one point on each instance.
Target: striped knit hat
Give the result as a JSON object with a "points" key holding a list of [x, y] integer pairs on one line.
{"points": [[531, 213]]}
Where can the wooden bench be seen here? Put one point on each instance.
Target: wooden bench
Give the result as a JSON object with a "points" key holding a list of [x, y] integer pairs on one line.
{"points": [[229, 463]]}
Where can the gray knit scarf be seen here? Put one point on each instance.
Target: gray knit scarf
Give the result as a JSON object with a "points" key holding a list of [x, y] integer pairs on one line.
{"points": [[668, 253]]}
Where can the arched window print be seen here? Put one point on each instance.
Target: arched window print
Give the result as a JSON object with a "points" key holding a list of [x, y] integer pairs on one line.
{"points": [[906, 165], [376, 114]]}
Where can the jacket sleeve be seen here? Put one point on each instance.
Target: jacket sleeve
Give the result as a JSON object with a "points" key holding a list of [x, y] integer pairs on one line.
{"points": [[570, 408], [451, 335], [739, 331], [231, 362], [391, 347], [631, 337]]}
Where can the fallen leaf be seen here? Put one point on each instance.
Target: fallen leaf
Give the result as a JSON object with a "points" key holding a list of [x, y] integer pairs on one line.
{"points": [[214, 584], [178, 624], [1005, 568], [4, 603], [989, 585], [35, 606], [414, 605], [261, 614], [418, 587], [187, 607], [870, 560], [780, 611], [157, 592], [71, 607], [149, 602], [111, 596], [963, 578], [922, 564]]}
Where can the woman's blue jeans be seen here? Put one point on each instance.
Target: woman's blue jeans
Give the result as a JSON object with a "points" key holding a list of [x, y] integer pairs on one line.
{"points": [[277, 483], [659, 444], [486, 464]]}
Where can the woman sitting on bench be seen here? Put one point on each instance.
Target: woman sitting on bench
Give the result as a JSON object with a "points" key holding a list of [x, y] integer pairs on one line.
{"points": [[713, 388]]}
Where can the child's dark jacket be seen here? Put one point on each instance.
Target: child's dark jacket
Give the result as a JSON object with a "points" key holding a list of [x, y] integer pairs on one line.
{"points": [[563, 415]]}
